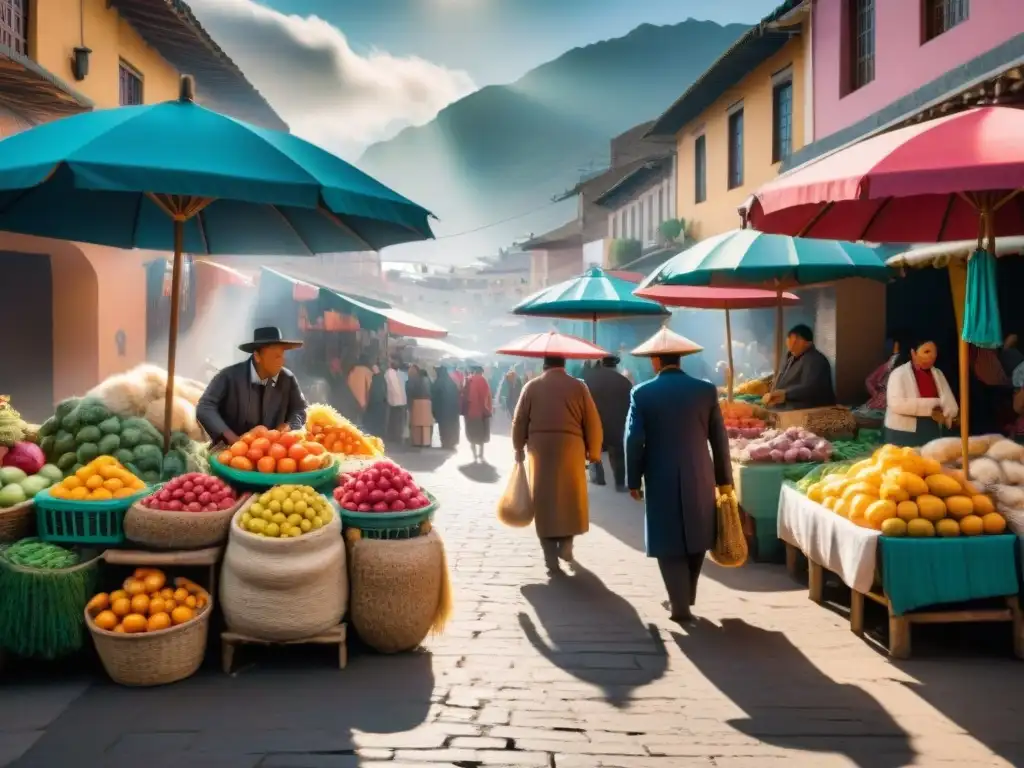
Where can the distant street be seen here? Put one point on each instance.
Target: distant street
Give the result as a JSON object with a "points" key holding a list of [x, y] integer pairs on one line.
{"points": [[586, 672]]}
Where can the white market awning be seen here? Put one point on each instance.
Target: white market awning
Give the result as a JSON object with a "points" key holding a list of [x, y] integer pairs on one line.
{"points": [[940, 254]]}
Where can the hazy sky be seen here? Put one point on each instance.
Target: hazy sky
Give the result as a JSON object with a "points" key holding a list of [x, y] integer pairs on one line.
{"points": [[347, 73]]}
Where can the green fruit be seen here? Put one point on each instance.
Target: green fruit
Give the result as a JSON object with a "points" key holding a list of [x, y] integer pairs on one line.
{"points": [[88, 434], [34, 484], [87, 451], [51, 473], [109, 445], [12, 494], [111, 426], [9, 475], [67, 461]]}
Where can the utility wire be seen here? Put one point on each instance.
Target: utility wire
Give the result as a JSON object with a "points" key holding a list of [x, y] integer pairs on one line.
{"points": [[548, 204]]}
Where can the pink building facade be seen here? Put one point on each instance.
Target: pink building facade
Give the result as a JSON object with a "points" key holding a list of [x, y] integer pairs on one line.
{"points": [[914, 61]]}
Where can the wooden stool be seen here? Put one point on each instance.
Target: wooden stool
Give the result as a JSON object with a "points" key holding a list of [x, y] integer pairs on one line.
{"points": [[231, 640]]}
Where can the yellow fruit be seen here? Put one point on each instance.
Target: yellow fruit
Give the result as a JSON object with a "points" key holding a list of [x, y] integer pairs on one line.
{"points": [[134, 587], [860, 487], [931, 507], [893, 492], [930, 467], [154, 581], [959, 476], [157, 605], [180, 594], [190, 601], [972, 525], [879, 512], [943, 486], [100, 602], [907, 511], [815, 493], [106, 620], [181, 614], [947, 527], [85, 473], [60, 492], [117, 595], [858, 505], [993, 523], [842, 507], [169, 605], [70, 482], [959, 506], [140, 604], [894, 527], [912, 484], [79, 494], [121, 607], [101, 494], [983, 504], [134, 623], [94, 482], [157, 622], [167, 593], [113, 485], [920, 528], [829, 502], [124, 493]]}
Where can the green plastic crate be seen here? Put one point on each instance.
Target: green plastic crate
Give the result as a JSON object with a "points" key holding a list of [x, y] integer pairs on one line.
{"points": [[249, 481], [388, 525], [68, 521]]}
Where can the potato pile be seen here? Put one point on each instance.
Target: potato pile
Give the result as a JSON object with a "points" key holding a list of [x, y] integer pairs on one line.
{"points": [[900, 493]]}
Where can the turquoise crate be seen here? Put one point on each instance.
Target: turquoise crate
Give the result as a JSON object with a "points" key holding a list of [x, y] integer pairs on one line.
{"points": [[69, 521], [388, 525], [237, 478]]}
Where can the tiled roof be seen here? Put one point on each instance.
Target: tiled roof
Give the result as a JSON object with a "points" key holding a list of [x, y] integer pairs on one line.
{"points": [[176, 34]]}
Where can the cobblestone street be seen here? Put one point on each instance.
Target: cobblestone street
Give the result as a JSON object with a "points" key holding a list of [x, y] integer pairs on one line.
{"points": [[581, 672]]}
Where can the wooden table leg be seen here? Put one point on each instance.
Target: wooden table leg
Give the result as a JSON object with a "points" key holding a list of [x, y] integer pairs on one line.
{"points": [[815, 581], [1018, 626], [227, 655], [899, 636], [857, 612], [791, 560]]}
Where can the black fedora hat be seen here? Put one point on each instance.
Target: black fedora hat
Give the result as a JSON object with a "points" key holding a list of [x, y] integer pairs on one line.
{"points": [[269, 336]]}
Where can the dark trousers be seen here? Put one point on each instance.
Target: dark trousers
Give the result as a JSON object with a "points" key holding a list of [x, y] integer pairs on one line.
{"points": [[617, 459], [396, 425], [680, 575], [553, 547]]}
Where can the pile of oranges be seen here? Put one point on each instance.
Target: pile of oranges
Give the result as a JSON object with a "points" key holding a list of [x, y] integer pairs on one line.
{"points": [[274, 451], [145, 603], [102, 479]]}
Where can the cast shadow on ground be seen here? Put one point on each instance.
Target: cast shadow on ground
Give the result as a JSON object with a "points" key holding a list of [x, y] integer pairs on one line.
{"points": [[594, 634], [295, 705], [480, 473], [789, 702], [618, 515], [421, 459], [752, 577]]}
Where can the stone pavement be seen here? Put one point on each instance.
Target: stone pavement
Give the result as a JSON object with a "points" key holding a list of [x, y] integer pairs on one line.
{"points": [[582, 672]]}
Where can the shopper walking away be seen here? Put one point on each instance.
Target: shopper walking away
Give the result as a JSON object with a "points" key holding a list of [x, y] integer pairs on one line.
{"points": [[557, 422], [511, 389], [672, 419], [444, 397], [360, 378], [421, 418], [610, 390], [397, 405], [477, 407], [375, 418]]}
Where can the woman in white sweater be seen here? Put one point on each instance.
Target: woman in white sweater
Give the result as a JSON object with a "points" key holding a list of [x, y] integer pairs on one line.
{"points": [[919, 402]]}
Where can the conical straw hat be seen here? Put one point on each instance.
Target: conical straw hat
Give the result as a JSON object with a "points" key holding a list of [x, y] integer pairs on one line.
{"points": [[666, 342]]}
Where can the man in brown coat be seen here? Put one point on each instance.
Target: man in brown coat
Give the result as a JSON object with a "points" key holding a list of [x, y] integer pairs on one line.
{"points": [[557, 422]]}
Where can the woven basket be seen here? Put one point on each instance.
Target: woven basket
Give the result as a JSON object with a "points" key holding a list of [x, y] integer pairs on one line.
{"points": [[153, 658], [162, 529], [16, 522]]}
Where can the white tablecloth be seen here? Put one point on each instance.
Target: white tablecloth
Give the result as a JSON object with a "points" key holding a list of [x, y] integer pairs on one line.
{"points": [[843, 548]]}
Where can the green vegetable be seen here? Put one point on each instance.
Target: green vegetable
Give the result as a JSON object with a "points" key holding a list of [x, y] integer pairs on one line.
{"points": [[87, 452], [92, 411], [49, 427], [88, 434], [148, 458], [174, 464], [151, 477], [109, 445], [111, 426], [148, 434], [181, 441], [67, 461], [124, 456], [46, 444], [71, 422], [130, 437], [63, 442], [75, 468], [65, 407]]}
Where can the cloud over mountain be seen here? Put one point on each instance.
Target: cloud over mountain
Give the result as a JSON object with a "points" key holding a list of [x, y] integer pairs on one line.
{"points": [[326, 91]]}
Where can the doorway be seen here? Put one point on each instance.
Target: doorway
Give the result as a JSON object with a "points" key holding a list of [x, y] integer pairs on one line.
{"points": [[26, 321]]}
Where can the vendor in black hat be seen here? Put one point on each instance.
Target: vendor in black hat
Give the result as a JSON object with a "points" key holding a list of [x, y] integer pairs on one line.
{"points": [[257, 391]]}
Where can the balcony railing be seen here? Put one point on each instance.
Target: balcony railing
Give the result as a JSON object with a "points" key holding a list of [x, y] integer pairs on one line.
{"points": [[14, 25]]}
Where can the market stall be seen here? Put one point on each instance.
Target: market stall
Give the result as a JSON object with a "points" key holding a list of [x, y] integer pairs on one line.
{"points": [[906, 531]]}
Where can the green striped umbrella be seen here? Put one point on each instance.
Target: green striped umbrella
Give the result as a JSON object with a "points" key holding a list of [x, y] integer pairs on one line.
{"points": [[594, 295]]}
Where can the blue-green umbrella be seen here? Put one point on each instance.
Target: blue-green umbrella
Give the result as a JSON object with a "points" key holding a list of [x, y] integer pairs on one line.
{"points": [[745, 258], [592, 296], [120, 177], [982, 326]]}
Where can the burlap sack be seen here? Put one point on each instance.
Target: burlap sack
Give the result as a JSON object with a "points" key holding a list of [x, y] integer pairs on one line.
{"points": [[160, 529], [284, 589], [396, 589]]}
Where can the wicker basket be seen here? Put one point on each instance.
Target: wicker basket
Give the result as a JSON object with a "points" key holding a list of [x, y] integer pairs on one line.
{"points": [[161, 529], [16, 522], [153, 658]]}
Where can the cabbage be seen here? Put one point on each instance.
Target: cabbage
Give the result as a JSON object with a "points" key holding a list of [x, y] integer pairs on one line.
{"points": [[28, 457]]}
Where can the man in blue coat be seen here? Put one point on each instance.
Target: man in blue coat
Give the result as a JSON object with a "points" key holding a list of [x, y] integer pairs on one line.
{"points": [[672, 419]]}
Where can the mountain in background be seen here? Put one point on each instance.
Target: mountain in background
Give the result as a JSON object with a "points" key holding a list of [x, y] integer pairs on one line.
{"points": [[508, 149]]}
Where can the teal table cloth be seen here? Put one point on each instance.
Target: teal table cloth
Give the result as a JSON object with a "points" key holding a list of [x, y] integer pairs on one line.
{"points": [[917, 573], [758, 487]]}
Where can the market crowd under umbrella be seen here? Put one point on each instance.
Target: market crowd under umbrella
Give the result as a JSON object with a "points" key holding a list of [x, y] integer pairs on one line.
{"points": [[745, 258], [956, 177], [725, 299], [178, 177], [594, 295]]}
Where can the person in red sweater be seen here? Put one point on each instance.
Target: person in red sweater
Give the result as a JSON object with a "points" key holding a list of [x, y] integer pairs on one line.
{"points": [[477, 408]]}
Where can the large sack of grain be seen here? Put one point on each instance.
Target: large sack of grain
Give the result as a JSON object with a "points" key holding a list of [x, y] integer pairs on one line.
{"points": [[164, 529], [400, 590], [284, 589]]}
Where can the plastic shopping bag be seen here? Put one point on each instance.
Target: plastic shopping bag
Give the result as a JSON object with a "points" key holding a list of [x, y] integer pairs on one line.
{"points": [[515, 509]]}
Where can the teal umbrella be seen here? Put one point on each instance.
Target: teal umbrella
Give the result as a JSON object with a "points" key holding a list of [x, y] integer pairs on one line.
{"points": [[745, 258], [982, 326], [178, 177], [593, 296]]}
